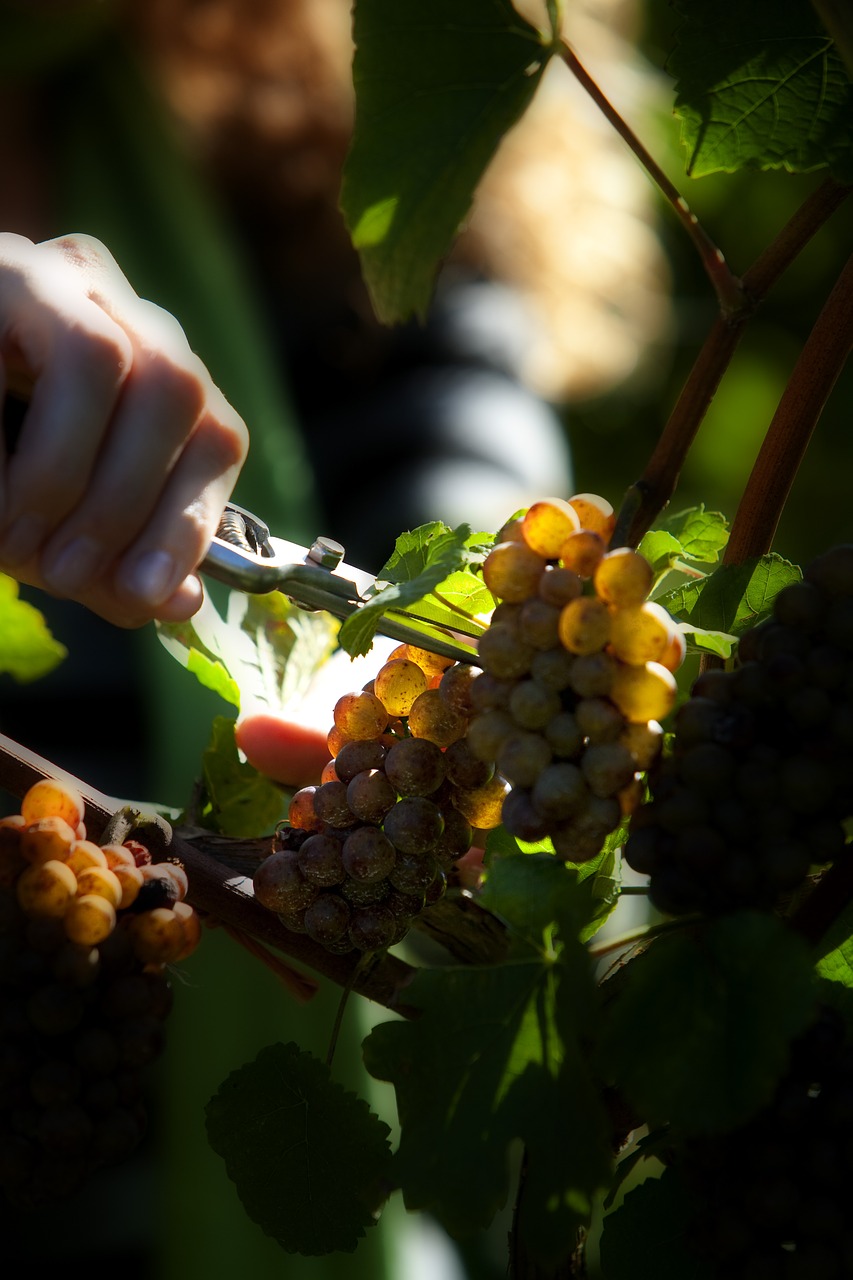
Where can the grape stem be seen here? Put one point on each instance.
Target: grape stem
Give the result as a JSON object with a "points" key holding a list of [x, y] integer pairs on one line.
{"points": [[650, 494], [821, 360]]}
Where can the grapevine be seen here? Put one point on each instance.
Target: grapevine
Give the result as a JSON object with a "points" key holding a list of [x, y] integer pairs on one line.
{"points": [[672, 1100]]}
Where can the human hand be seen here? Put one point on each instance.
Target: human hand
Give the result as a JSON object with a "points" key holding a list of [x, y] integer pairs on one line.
{"points": [[127, 453]]}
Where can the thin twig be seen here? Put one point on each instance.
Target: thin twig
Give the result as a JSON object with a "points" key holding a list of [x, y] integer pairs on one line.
{"points": [[727, 287]]}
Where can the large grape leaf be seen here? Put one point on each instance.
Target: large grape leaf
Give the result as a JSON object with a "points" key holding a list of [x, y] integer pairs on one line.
{"points": [[310, 1161], [437, 84], [27, 648], [760, 85], [715, 1008], [494, 1056]]}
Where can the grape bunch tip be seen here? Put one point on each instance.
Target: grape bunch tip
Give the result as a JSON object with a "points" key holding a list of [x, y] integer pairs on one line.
{"points": [[86, 935]]}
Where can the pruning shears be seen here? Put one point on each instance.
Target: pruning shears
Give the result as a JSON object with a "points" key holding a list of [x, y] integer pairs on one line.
{"points": [[244, 556]]}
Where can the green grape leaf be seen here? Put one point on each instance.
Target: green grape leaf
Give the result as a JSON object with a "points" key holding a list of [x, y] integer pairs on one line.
{"points": [[262, 655], [495, 1055], [744, 980], [661, 549], [422, 562], [310, 1161], [701, 641], [834, 951], [27, 648], [238, 801], [760, 85], [656, 1213], [597, 880], [437, 86], [701, 534], [734, 598]]}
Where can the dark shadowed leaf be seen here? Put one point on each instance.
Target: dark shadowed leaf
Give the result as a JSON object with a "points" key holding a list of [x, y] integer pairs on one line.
{"points": [[437, 83], [714, 1008], [310, 1161]]}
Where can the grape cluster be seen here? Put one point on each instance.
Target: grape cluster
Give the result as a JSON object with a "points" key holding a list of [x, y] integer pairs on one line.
{"points": [[770, 1200], [398, 803], [577, 673], [761, 777], [85, 935]]}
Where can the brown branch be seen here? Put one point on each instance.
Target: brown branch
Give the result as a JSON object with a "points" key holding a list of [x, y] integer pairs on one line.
{"points": [[215, 890], [821, 361], [651, 493]]}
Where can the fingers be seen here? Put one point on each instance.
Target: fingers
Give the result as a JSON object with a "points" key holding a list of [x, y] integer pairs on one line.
{"points": [[293, 754], [128, 451]]}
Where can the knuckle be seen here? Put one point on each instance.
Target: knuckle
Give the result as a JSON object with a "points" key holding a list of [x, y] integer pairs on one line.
{"points": [[102, 354]]}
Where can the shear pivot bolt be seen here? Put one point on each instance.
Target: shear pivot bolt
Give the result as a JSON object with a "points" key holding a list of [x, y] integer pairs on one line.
{"points": [[326, 552]]}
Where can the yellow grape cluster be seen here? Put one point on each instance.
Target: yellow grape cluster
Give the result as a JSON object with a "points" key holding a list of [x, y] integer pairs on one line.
{"points": [[397, 806], [87, 933], [57, 873], [577, 674]]}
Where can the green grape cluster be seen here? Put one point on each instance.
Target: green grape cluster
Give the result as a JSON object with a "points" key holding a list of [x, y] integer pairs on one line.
{"points": [[86, 932], [760, 781], [577, 673], [398, 804], [768, 1201]]}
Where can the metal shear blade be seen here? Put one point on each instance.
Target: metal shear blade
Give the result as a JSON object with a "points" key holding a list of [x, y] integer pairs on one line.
{"points": [[245, 557]]}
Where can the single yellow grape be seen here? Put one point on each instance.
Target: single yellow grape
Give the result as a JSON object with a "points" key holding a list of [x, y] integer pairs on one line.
{"points": [[641, 633], [584, 625], [643, 693], [335, 739], [673, 656], [100, 881], [623, 577], [431, 664], [50, 798], [360, 715], [512, 570], [483, 806], [582, 552], [644, 739], [158, 936], [547, 524], [90, 919], [190, 926], [433, 718], [398, 683], [329, 773], [131, 880], [117, 855], [46, 888], [46, 839], [595, 514], [512, 531], [87, 854]]}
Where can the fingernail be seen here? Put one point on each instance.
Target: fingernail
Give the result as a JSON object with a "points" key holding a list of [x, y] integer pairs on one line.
{"points": [[23, 540], [73, 565], [149, 578]]}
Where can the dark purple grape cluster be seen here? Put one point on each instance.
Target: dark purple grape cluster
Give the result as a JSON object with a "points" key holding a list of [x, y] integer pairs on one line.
{"points": [[770, 1200], [365, 851], [77, 1026], [760, 780]]}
